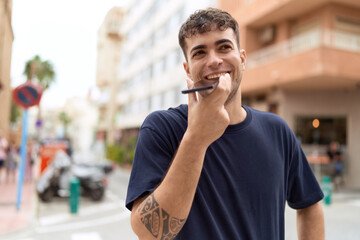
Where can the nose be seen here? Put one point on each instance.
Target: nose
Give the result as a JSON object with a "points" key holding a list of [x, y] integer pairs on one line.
{"points": [[214, 60]]}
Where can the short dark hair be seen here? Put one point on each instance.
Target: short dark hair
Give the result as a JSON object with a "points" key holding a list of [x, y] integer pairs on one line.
{"points": [[202, 21]]}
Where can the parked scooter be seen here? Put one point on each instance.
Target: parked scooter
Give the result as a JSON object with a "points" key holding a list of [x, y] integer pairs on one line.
{"points": [[55, 180]]}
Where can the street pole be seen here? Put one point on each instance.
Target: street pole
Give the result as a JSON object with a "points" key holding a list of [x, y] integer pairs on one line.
{"points": [[23, 150]]}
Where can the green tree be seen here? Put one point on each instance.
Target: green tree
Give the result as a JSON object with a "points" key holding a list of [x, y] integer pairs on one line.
{"points": [[65, 119], [43, 71], [122, 153]]}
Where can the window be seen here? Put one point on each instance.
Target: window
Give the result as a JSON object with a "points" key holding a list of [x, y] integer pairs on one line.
{"points": [[158, 67], [147, 75], [171, 60], [174, 22], [169, 98], [158, 4], [348, 25], [179, 97], [156, 102], [321, 130], [159, 34], [144, 105], [310, 26]]}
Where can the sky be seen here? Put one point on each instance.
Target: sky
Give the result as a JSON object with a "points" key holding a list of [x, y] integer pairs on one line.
{"points": [[65, 33]]}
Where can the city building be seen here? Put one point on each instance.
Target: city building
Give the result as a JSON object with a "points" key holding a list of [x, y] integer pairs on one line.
{"points": [[151, 74], [82, 126], [75, 120], [108, 51], [303, 64], [6, 40]]}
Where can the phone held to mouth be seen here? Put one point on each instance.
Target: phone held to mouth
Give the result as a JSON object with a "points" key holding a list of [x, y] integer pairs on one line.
{"points": [[198, 89]]}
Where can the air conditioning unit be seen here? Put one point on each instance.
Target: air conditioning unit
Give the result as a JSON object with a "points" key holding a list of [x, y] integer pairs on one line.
{"points": [[267, 34]]}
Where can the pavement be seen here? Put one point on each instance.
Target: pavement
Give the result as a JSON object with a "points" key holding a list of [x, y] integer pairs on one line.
{"points": [[11, 219], [343, 212]]}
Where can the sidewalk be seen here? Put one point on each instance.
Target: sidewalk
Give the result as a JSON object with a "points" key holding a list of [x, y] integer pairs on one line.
{"points": [[341, 216], [12, 220]]}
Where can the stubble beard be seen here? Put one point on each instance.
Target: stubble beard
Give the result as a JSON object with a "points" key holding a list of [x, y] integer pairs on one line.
{"points": [[234, 90]]}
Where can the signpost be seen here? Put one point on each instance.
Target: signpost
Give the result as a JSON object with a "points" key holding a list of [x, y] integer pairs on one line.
{"points": [[25, 95]]}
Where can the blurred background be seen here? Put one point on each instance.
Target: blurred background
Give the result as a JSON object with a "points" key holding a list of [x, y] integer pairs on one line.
{"points": [[103, 66]]}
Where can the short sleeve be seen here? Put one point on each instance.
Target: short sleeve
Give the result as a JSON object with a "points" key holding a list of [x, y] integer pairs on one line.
{"points": [[151, 161], [303, 189]]}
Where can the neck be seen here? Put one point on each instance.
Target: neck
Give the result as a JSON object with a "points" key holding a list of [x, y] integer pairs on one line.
{"points": [[236, 112]]}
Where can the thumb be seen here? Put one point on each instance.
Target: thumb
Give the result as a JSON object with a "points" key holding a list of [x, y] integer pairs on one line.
{"points": [[191, 96]]}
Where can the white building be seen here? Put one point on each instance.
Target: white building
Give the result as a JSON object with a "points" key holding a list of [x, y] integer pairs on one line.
{"points": [[151, 73], [108, 58], [82, 128]]}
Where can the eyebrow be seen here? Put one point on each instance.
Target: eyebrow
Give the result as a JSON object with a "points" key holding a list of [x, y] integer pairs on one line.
{"points": [[197, 47], [223, 41], [218, 42]]}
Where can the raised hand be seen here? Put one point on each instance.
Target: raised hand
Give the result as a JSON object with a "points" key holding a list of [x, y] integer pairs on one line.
{"points": [[208, 118]]}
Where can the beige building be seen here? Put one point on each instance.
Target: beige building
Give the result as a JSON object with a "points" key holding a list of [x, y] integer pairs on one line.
{"points": [[303, 64], [109, 43], [6, 40]]}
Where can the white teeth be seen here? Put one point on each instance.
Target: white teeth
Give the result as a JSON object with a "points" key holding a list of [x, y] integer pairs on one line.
{"points": [[215, 75]]}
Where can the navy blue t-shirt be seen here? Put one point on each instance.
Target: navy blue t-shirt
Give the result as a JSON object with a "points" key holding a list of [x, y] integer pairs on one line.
{"points": [[248, 175]]}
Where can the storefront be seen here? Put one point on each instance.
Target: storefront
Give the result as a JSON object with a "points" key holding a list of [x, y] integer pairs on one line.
{"points": [[321, 117]]}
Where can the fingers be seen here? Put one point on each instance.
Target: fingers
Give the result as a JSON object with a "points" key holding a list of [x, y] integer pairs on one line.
{"points": [[191, 96], [225, 80], [218, 95], [222, 91]]}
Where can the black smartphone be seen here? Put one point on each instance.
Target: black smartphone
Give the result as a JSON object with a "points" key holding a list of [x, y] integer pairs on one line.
{"points": [[199, 89]]}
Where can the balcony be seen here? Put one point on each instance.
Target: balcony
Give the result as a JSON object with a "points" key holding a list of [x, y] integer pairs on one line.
{"points": [[113, 31], [304, 42], [316, 59], [262, 12]]}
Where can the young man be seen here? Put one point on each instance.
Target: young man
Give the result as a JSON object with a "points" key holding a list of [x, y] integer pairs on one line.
{"points": [[214, 169]]}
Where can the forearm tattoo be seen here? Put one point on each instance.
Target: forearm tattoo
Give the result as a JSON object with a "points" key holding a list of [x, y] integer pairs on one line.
{"points": [[158, 221]]}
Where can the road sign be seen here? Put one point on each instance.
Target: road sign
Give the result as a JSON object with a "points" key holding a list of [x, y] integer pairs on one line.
{"points": [[27, 95], [38, 123]]}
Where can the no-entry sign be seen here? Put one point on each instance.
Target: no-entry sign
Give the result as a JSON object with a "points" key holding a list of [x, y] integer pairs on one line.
{"points": [[27, 95]]}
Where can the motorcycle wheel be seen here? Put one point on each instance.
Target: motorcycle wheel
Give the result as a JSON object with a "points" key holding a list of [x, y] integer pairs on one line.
{"points": [[97, 194], [47, 195]]}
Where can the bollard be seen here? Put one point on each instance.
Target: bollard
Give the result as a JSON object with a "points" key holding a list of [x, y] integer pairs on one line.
{"points": [[74, 195], [327, 189]]}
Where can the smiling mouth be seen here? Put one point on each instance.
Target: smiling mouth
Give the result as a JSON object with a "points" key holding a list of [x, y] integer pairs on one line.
{"points": [[215, 76]]}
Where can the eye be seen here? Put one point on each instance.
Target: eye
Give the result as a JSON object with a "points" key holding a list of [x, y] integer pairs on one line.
{"points": [[225, 47], [198, 53]]}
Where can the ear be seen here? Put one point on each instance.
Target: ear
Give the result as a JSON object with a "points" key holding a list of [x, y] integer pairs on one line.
{"points": [[187, 69], [243, 58]]}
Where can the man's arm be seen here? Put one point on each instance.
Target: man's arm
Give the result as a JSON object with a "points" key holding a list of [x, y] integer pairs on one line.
{"points": [[310, 223], [162, 214]]}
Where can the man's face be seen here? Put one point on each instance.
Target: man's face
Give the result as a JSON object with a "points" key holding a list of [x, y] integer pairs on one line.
{"points": [[212, 54]]}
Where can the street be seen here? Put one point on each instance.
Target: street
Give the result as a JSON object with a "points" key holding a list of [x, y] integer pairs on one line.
{"points": [[274, 86], [104, 220], [341, 218], [110, 220]]}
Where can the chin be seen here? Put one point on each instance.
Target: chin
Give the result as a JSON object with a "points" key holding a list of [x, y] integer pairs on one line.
{"points": [[233, 93]]}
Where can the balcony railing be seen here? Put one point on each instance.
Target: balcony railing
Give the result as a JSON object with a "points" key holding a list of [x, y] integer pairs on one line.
{"points": [[304, 42], [343, 40]]}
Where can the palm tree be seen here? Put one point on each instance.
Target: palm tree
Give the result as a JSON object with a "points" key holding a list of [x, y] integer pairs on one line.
{"points": [[43, 71], [65, 119]]}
